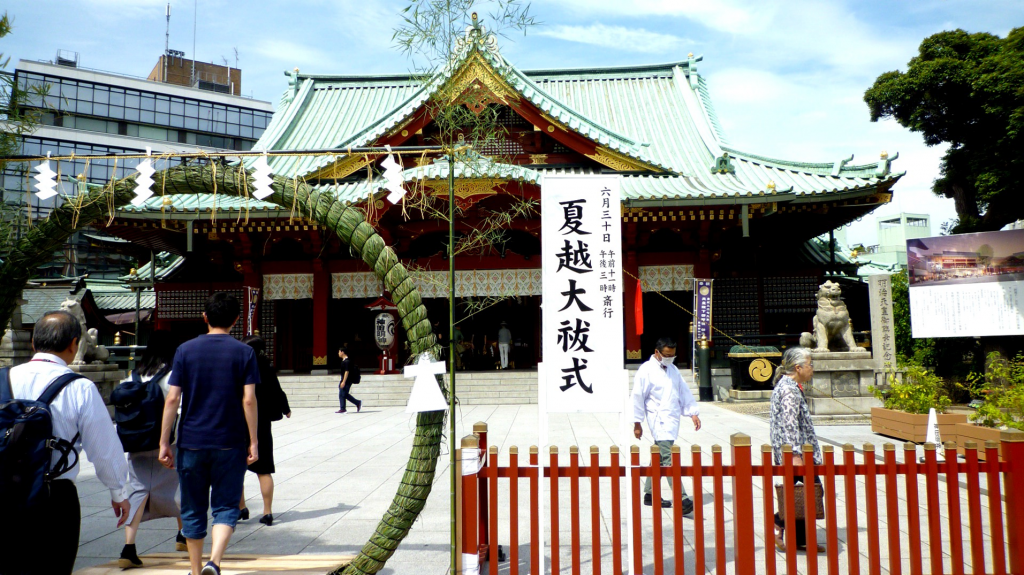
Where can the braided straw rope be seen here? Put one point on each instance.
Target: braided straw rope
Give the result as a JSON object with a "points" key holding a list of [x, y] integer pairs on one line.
{"points": [[348, 223]]}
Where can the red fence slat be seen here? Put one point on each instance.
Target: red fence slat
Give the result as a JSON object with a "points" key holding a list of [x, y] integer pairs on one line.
{"points": [[634, 485], [934, 528], [534, 511], [953, 509], [850, 484], [698, 509], [656, 513], [677, 511], [595, 507], [831, 521], [913, 508], [811, 511], [871, 506], [892, 510], [976, 528], [513, 507], [574, 505], [768, 501], [492, 476], [995, 507], [790, 508], [616, 493], [555, 559], [719, 504]]}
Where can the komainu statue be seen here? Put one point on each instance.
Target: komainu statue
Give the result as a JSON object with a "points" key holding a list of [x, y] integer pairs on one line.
{"points": [[89, 348], [832, 331]]}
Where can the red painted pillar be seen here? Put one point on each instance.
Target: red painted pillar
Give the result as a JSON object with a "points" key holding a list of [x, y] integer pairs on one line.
{"points": [[321, 296], [631, 268]]}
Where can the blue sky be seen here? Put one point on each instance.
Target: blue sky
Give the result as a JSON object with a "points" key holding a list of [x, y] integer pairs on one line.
{"points": [[787, 77]]}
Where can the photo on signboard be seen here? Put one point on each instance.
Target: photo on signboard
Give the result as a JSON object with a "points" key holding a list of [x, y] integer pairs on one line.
{"points": [[967, 285], [966, 258]]}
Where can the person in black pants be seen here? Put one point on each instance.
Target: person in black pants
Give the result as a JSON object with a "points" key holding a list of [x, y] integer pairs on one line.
{"points": [[273, 406], [349, 376]]}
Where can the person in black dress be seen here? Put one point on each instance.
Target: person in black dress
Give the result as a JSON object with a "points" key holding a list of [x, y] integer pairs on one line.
{"points": [[272, 405]]}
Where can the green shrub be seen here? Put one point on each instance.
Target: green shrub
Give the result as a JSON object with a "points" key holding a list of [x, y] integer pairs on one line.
{"points": [[918, 391], [1002, 390]]}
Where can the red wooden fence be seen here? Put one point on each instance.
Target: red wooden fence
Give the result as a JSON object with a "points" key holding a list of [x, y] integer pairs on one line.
{"points": [[1003, 492]]}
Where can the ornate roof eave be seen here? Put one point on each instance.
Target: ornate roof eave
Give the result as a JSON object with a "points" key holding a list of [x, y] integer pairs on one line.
{"points": [[478, 61]]}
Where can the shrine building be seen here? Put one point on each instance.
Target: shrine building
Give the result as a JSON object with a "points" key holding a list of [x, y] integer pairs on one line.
{"points": [[692, 206]]}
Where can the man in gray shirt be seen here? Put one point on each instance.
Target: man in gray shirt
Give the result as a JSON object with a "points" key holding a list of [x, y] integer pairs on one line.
{"points": [[504, 343]]}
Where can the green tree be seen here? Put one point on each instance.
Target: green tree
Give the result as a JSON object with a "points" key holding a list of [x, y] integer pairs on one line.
{"points": [[965, 90]]}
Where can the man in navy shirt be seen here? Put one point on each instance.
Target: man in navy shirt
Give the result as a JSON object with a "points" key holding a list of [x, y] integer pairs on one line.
{"points": [[214, 377]]}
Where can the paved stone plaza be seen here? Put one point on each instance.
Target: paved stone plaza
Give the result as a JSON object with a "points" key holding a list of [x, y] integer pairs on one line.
{"points": [[338, 473]]}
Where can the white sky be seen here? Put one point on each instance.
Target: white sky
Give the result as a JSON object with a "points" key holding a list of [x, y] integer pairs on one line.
{"points": [[787, 78]]}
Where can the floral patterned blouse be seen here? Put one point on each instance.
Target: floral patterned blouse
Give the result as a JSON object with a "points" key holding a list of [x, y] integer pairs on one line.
{"points": [[790, 421]]}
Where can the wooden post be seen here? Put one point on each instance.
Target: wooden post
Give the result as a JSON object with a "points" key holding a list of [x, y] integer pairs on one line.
{"points": [[743, 504], [1013, 480], [468, 460], [480, 430]]}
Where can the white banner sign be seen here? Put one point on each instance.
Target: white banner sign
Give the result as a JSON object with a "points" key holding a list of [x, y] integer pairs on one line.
{"points": [[581, 263]]}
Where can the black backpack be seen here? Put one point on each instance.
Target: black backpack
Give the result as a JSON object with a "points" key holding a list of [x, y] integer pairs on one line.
{"points": [[139, 411], [353, 372], [27, 444]]}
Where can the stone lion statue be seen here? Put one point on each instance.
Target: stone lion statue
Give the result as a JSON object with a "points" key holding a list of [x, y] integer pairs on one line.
{"points": [[832, 331], [89, 349]]}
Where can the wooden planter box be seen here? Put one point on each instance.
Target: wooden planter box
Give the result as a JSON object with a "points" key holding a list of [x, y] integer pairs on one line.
{"points": [[911, 426], [978, 434]]}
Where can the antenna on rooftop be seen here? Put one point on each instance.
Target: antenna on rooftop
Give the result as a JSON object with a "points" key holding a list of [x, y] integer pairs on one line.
{"points": [[195, 18], [167, 41]]}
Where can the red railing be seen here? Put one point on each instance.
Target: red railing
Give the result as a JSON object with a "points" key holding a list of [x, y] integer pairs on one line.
{"points": [[488, 488]]}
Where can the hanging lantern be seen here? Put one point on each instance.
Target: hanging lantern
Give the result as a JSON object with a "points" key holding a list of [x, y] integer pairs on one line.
{"points": [[384, 330]]}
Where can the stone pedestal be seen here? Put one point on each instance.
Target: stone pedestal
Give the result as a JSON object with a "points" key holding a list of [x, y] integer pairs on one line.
{"points": [[15, 347], [841, 382], [106, 376]]}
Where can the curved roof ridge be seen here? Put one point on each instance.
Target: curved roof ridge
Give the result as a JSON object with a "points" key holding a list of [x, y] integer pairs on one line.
{"points": [[780, 163]]}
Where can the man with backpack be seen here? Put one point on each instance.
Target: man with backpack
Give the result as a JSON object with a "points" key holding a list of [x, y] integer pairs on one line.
{"points": [[39, 464], [214, 377]]}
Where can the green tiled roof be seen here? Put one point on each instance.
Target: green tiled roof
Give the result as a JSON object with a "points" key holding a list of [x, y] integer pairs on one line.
{"points": [[660, 114], [166, 264]]}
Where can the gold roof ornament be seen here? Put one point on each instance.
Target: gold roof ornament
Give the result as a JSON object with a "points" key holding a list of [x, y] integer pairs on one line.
{"points": [[771, 186], [885, 155]]}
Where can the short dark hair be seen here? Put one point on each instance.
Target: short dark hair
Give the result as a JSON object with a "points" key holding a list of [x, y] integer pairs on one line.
{"points": [[55, 331], [664, 342], [221, 310], [343, 350], [160, 348]]}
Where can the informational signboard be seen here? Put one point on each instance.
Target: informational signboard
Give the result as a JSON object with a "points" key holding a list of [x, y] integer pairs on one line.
{"points": [[883, 333], [702, 310], [583, 320], [967, 285]]}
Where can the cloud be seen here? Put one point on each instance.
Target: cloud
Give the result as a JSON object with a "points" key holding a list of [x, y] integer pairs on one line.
{"points": [[724, 15], [291, 53], [618, 37]]}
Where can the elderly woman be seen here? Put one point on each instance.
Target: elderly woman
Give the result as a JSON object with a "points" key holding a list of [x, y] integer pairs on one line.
{"points": [[790, 424]]}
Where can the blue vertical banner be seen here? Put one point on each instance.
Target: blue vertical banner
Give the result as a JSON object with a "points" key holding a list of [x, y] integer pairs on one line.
{"points": [[702, 310], [581, 263], [253, 295]]}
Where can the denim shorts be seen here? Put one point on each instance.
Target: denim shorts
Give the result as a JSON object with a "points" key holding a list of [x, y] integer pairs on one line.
{"points": [[210, 478]]}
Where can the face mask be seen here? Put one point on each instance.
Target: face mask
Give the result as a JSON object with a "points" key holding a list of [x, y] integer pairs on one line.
{"points": [[667, 361]]}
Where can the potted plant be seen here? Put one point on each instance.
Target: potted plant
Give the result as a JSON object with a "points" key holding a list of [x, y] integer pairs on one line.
{"points": [[906, 402], [1001, 390]]}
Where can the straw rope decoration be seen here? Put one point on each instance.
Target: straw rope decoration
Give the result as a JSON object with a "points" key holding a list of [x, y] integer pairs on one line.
{"points": [[348, 222]]}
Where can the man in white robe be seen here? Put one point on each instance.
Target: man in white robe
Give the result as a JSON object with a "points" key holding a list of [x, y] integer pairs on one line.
{"points": [[661, 396]]}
